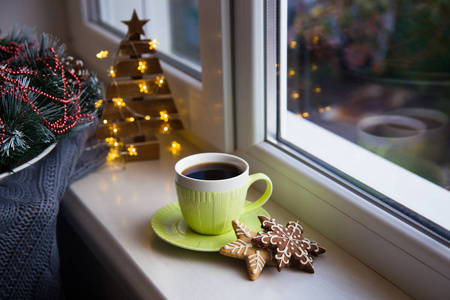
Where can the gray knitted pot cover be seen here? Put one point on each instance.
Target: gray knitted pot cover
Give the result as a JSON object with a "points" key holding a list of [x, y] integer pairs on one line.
{"points": [[29, 203]]}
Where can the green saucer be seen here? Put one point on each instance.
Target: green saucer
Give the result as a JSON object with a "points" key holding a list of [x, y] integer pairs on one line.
{"points": [[169, 225]]}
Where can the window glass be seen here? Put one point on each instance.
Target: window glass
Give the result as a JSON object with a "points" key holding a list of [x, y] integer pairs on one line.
{"points": [[111, 13], [184, 29], [372, 75], [173, 23]]}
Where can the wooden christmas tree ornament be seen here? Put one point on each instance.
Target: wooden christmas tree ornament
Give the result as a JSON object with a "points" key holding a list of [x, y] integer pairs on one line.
{"points": [[138, 102]]}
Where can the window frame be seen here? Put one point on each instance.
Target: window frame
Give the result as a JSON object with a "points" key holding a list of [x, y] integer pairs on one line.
{"points": [[405, 256]]}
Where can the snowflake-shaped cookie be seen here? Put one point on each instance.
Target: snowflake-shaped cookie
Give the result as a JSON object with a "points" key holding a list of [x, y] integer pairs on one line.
{"points": [[288, 244], [313, 247], [255, 257]]}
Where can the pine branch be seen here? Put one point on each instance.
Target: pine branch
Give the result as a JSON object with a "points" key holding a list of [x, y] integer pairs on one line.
{"points": [[42, 98], [25, 136], [20, 35]]}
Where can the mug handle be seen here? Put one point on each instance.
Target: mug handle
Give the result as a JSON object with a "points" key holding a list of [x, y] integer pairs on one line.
{"points": [[263, 199]]}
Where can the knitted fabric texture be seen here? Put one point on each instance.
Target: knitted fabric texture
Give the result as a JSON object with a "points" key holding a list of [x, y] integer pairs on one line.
{"points": [[29, 204]]}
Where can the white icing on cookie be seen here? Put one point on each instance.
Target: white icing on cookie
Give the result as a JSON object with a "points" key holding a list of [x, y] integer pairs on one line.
{"points": [[239, 246], [242, 229], [257, 262]]}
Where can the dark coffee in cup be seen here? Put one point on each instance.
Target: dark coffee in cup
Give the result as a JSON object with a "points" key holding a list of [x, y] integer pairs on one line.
{"points": [[212, 171]]}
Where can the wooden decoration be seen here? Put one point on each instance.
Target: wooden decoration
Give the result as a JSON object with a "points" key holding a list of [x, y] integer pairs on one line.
{"points": [[135, 27], [129, 67], [134, 88], [131, 47], [138, 103], [147, 147]]}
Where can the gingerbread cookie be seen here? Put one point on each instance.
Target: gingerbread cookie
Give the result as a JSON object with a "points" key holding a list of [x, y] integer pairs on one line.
{"points": [[313, 247], [255, 257], [288, 244]]}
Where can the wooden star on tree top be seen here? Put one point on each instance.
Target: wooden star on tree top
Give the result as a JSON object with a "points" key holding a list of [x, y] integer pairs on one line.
{"points": [[135, 27]]}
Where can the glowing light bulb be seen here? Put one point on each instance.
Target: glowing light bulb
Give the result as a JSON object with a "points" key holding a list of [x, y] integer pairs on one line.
{"points": [[147, 117], [292, 44], [165, 128], [305, 114], [130, 119], [159, 81], [112, 155], [118, 102], [152, 44], [142, 66], [175, 148], [132, 150], [105, 121], [164, 115], [291, 72], [112, 72], [295, 95], [98, 103], [315, 39], [110, 140], [143, 88], [317, 90], [102, 54]]}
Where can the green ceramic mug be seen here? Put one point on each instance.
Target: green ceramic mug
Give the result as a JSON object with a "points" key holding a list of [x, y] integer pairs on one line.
{"points": [[212, 189]]}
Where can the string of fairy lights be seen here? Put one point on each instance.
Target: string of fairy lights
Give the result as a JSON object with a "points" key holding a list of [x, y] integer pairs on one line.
{"points": [[146, 87]]}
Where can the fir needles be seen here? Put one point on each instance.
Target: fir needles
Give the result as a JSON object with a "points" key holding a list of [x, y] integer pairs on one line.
{"points": [[42, 97]]}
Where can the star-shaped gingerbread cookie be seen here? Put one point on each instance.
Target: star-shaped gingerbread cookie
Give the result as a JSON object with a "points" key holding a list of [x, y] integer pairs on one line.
{"points": [[288, 244], [255, 257]]}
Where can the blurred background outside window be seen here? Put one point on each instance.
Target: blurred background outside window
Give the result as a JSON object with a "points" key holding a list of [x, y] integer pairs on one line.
{"points": [[377, 73]]}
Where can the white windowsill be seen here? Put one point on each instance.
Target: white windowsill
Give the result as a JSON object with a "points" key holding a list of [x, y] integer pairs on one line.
{"points": [[112, 211]]}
